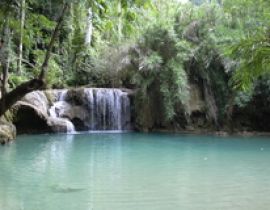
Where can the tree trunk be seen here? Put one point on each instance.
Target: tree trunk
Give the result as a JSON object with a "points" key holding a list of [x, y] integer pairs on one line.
{"points": [[120, 21], [89, 28], [8, 100], [44, 67], [20, 53], [18, 93], [5, 67], [5, 58]]}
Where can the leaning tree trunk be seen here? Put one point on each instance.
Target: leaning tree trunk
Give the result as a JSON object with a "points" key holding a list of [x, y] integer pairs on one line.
{"points": [[44, 67], [18, 93], [8, 100]]}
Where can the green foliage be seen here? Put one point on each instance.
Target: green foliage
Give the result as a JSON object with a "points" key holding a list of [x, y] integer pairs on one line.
{"points": [[15, 80], [251, 51], [242, 99], [156, 46], [55, 73], [160, 60], [253, 55]]}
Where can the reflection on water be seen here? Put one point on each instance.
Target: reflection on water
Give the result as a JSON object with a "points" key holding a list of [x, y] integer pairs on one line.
{"points": [[134, 171]]}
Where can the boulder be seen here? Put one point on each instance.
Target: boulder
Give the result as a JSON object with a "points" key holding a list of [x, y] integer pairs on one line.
{"points": [[7, 132], [34, 109], [37, 100], [60, 125]]}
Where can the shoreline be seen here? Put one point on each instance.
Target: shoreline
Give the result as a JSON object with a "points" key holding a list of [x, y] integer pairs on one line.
{"points": [[215, 133], [186, 132]]}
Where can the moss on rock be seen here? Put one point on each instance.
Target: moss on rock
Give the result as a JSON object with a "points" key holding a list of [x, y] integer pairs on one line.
{"points": [[7, 132]]}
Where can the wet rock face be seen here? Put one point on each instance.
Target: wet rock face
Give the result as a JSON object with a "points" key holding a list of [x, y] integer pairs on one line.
{"points": [[70, 110], [30, 121], [197, 108], [60, 125], [75, 97], [94, 109], [7, 132], [32, 114]]}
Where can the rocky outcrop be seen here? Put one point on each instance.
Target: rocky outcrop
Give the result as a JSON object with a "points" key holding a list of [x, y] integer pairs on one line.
{"points": [[60, 125], [69, 110], [7, 132], [32, 114], [196, 102], [196, 109], [94, 108], [254, 113]]}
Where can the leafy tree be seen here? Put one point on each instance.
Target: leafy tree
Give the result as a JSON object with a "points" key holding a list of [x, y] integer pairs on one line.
{"points": [[160, 75], [251, 51], [8, 99]]}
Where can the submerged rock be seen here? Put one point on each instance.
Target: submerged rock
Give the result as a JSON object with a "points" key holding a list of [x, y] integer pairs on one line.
{"points": [[66, 189]]}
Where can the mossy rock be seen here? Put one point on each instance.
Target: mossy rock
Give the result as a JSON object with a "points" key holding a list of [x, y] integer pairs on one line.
{"points": [[7, 132], [76, 96], [8, 117], [51, 95]]}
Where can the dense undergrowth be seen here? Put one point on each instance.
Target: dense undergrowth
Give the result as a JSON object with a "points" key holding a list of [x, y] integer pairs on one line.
{"points": [[160, 48]]}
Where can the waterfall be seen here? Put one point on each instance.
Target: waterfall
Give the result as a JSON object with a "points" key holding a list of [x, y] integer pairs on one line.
{"points": [[109, 109], [93, 109], [70, 127], [57, 111], [62, 95]]}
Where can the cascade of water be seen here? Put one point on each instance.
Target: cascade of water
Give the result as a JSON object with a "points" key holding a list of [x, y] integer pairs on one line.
{"points": [[57, 111], [94, 109], [62, 95], [70, 127], [126, 112], [118, 109], [90, 105], [109, 109]]}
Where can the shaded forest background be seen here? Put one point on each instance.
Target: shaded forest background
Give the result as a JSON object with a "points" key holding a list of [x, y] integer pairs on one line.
{"points": [[159, 48]]}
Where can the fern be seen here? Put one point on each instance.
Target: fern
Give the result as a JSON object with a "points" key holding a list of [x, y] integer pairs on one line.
{"points": [[254, 60]]}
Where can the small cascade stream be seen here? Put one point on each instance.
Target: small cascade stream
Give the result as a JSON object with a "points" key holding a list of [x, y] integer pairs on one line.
{"points": [[57, 109], [93, 109]]}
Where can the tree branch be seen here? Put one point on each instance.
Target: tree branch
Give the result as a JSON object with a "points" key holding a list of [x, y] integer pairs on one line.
{"points": [[44, 67], [20, 91]]}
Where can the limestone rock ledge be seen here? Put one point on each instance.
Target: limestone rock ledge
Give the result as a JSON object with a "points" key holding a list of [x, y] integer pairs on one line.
{"points": [[7, 132], [32, 115]]}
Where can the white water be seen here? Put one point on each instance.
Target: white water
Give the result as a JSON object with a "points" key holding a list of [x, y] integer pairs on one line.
{"points": [[100, 109], [109, 109], [70, 127], [57, 110]]}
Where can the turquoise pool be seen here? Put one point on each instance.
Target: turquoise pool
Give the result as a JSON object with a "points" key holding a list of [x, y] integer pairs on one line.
{"points": [[133, 171]]}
